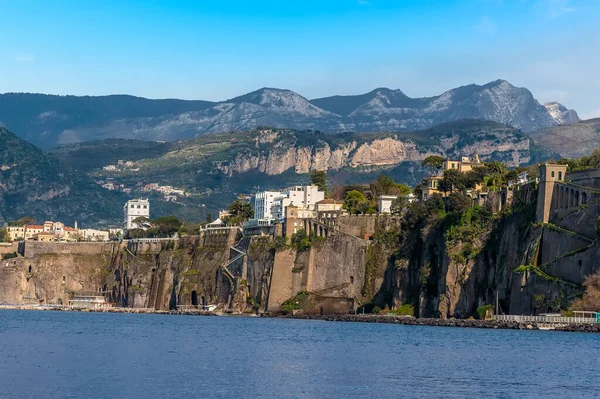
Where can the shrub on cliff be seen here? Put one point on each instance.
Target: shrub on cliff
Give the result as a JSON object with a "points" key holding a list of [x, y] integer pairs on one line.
{"points": [[482, 310], [302, 300], [9, 255], [591, 298], [404, 310]]}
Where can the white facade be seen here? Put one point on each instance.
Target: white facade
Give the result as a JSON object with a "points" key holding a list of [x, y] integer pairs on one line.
{"points": [[263, 202], [94, 235], [385, 203], [304, 197], [134, 209]]}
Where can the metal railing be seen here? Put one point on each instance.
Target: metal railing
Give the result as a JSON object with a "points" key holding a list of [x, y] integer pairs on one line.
{"points": [[546, 319]]}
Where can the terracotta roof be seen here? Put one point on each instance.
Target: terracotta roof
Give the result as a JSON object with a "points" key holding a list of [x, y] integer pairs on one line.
{"points": [[34, 227], [329, 201], [68, 228], [45, 233]]}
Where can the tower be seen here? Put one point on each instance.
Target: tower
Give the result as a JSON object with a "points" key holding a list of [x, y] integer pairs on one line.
{"points": [[550, 174]]}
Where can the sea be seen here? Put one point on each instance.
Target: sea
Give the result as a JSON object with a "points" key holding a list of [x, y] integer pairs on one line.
{"points": [[47, 354]]}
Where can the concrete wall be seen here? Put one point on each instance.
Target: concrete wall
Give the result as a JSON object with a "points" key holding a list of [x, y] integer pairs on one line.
{"points": [[364, 226], [34, 248], [556, 243], [8, 248], [281, 279]]}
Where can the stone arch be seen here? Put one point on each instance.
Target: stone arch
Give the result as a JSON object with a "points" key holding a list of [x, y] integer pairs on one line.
{"points": [[572, 199], [556, 196], [583, 198], [576, 198]]}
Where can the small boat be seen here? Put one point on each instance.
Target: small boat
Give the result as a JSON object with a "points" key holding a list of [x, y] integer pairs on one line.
{"points": [[546, 327]]}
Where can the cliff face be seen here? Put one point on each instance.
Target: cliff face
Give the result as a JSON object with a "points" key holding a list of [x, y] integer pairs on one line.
{"points": [[288, 150], [444, 264]]}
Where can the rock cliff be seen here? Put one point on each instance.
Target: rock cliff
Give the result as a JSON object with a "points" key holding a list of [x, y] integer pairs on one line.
{"points": [[444, 263]]}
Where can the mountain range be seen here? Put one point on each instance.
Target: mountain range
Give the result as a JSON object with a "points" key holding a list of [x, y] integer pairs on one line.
{"points": [[49, 121], [33, 183]]}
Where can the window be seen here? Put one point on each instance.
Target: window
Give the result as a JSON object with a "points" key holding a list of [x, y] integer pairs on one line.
{"points": [[453, 167], [132, 206], [559, 175], [552, 174], [145, 206]]}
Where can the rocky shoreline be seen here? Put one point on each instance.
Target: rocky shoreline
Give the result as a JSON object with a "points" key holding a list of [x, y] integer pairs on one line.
{"points": [[411, 321], [350, 318]]}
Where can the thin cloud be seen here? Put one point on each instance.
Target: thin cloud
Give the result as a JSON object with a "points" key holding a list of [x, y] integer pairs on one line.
{"points": [[486, 25], [25, 58], [555, 8]]}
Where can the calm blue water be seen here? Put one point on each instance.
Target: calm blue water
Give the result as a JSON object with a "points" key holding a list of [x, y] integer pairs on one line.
{"points": [[83, 355]]}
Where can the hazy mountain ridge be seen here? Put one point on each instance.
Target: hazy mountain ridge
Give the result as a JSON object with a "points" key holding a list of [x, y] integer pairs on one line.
{"points": [[562, 114], [572, 140], [48, 121]]}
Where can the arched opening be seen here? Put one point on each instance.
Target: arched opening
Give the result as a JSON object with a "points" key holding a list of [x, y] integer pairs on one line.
{"points": [[351, 279], [583, 198], [556, 197], [576, 198], [195, 298], [572, 199], [29, 269]]}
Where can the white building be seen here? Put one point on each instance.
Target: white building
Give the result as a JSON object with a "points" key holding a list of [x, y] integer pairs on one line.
{"points": [[263, 202], [94, 235], [304, 197], [385, 202], [134, 209]]}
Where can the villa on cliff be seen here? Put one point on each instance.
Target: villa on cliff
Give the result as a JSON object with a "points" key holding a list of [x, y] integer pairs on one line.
{"points": [[55, 231], [465, 164]]}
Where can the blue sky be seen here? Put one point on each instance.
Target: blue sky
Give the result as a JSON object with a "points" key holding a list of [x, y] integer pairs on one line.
{"points": [[217, 49]]}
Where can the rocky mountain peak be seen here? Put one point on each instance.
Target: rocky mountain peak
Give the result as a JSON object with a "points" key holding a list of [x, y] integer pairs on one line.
{"points": [[561, 114]]}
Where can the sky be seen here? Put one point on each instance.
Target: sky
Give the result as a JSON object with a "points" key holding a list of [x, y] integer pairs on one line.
{"points": [[219, 49]]}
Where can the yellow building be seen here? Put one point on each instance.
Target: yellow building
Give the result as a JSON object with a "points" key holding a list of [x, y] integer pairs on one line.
{"points": [[33, 229], [16, 233], [464, 165], [44, 236], [432, 187], [328, 205]]}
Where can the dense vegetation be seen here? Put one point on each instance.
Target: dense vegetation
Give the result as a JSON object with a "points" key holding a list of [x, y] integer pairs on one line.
{"points": [[35, 184]]}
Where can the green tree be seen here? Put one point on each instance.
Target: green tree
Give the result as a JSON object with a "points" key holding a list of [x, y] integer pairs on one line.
{"points": [[22, 221], [241, 210], [433, 163], [512, 176], [319, 179], [457, 202], [353, 201], [300, 240], [164, 226], [398, 205], [453, 180], [4, 237]]}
